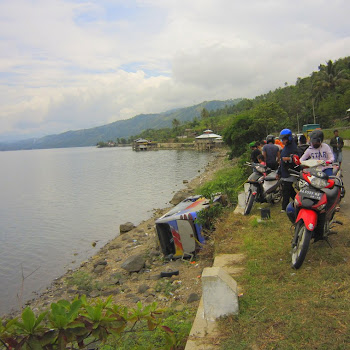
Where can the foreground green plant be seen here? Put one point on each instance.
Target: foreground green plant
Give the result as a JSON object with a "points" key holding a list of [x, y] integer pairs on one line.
{"points": [[78, 324], [180, 323]]}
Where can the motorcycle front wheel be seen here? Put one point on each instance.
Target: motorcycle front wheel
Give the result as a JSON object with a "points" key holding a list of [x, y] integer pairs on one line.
{"points": [[277, 196], [249, 203], [302, 245]]}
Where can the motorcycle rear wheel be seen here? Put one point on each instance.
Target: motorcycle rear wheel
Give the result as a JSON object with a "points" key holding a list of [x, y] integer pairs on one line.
{"points": [[249, 203], [302, 245]]}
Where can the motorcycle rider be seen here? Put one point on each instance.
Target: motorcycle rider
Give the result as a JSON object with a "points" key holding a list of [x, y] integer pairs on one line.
{"points": [[286, 163], [271, 153], [319, 150]]}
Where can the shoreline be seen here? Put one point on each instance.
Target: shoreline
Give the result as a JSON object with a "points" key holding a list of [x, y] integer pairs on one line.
{"points": [[109, 279]]}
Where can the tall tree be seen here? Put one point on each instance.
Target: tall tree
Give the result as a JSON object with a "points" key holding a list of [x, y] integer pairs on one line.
{"points": [[175, 123], [204, 114], [329, 77]]}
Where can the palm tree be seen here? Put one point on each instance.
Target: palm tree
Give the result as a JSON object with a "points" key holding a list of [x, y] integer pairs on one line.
{"points": [[329, 77], [325, 81]]}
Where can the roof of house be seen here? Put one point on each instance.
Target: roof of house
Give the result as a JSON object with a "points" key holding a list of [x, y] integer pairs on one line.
{"points": [[208, 136]]}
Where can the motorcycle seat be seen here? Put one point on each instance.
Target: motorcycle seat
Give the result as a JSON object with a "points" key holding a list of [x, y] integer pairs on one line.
{"points": [[332, 193], [271, 176]]}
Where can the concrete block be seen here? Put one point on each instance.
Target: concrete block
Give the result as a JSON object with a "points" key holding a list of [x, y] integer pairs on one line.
{"points": [[220, 295], [241, 199]]}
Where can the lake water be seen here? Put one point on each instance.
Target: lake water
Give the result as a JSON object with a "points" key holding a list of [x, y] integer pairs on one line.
{"points": [[55, 203]]}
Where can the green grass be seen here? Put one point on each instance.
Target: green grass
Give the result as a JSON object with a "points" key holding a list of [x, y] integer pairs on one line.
{"points": [[283, 308], [343, 132]]}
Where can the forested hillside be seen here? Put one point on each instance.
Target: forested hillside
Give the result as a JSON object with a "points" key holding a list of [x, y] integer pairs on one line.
{"points": [[323, 97], [118, 129]]}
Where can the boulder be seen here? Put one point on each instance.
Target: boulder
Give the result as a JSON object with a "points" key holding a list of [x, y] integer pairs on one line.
{"points": [[134, 263], [193, 297], [128, 226], [100, 262], [179, 197], [143, 288], [99, 269]]}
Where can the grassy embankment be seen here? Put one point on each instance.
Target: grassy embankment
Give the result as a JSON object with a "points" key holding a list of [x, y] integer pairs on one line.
{"points": [[283, 308]]}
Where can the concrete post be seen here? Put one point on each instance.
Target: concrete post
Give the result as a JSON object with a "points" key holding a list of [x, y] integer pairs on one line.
{"points": [[219, 293]]}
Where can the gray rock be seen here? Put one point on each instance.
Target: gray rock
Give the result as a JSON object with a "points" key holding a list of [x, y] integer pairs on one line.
{"points": [[99, 268], [149, 299], [179, 197], [130, 296], [114, 246], [193, 297], [128, 226], [154, 253], [100, 262], [143, 288], [134, 263], [115, 278], [108, 292]]}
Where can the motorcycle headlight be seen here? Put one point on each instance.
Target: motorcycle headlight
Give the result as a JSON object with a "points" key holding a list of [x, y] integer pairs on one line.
{"points": [[303, 183], [317, 182]]}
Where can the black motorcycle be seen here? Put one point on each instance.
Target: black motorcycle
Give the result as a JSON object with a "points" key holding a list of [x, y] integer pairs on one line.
{"points": [[264, 187]]}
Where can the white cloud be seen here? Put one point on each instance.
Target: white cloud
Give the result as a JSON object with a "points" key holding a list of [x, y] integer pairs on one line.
{"points": [[74, 64]]}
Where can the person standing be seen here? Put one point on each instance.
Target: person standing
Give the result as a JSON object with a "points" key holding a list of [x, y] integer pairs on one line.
{"points": [[337, 144], [290, 148], [254, 146], [302, 146], [271, 153]]}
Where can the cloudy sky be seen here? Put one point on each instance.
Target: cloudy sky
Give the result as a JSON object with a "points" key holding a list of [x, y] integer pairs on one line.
{"points": [[73, 64]]}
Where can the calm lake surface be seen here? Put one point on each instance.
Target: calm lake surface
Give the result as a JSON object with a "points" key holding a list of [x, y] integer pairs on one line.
{"points": [[55, 203]]}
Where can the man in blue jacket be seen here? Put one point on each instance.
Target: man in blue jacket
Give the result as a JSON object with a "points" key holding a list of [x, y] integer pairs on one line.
{"points": [[286, 163]]}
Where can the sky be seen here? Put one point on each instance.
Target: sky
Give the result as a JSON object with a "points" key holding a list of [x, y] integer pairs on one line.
{"points": [[75, 64]]}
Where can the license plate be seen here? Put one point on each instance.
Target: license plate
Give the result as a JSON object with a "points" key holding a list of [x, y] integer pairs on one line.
{"points": [[310, 194]]}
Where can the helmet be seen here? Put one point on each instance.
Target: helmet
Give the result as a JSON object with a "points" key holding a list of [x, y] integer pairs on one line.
{"points": [[252, 144], [286, 133], [270, 138], [316, 136]]}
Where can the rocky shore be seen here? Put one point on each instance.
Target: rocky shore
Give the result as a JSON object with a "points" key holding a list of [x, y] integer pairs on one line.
{"points": [[129, 267]]}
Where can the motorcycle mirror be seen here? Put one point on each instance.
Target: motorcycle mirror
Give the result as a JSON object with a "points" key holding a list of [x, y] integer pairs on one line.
{"points": [[296, 159]]}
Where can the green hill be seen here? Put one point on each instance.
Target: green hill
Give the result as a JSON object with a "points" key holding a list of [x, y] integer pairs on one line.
{"points": [[118, 129]]}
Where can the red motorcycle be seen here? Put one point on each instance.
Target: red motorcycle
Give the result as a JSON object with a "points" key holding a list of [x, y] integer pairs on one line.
{"points": [[313, 209]]}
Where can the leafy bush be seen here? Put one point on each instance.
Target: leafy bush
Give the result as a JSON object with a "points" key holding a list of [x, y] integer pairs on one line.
{"points": [[226, 181], [79, 324]]}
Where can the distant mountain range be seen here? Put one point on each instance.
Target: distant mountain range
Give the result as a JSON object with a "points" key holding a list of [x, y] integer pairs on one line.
{"points": [[121, 128]]}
